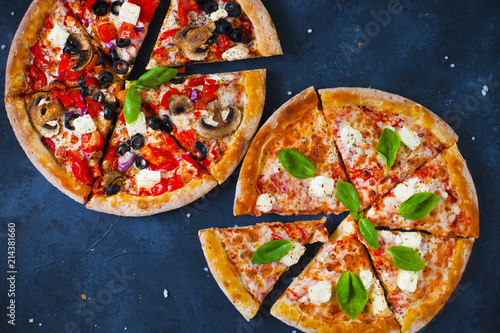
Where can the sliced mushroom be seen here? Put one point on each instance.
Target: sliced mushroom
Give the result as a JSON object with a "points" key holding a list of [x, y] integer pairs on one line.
{"points": [[45, 113], [220, 123], [192, 42], [83, 48], [178, 104], [112, 178]]}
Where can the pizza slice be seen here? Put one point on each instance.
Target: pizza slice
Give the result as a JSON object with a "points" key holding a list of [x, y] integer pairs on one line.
{"points": [[64, 132], [455, 214], [119, 27], [211, 31], [212, 116], [416, 294], [311, 303], [145, 171], [373, 129], [229, 254], [297, 129], [51, 50]]}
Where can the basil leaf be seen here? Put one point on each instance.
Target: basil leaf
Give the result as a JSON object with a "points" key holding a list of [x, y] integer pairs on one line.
{"points": [[157, 76], [418, 206], [406, 258], [369, 233], [351, 294], [387, 147], [296, 164], [271, 251], [132, 105], [347, 194]]}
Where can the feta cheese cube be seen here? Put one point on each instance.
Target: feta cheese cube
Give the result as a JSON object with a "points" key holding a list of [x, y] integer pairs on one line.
{"points": [[84, 125], [350, 136], [129, 13], [139, 126], [320, 293], [237, 52], [265, 202], [407, 280], [293, 255], [219, 14], [408, 137], [147, 178], [58, 36], [321, 186]]}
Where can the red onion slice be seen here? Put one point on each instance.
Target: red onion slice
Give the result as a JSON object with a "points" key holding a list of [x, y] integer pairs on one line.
{"points": [[126, 161]]}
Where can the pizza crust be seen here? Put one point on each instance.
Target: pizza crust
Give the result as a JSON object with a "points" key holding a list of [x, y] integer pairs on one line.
{"points": [[255, 90], [41, 157], [132, 205], [225, 274], [288, 113]]}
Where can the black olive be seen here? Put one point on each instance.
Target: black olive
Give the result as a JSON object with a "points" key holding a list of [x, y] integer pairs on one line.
{"points": [[177, 79], [115, 7], [100, 8], [99, 97], [102, 59], [232, 9], [236, 35], [122, 149], [114, 55], [120, 66], [141, 163], [210, 6], [80, 81], [168, 125], [223, 27], [246, 40], [123, 42], [85, 91], [212, 40], [68, 121], [137, 141], [106, 77], [112, 190], [202, 149], [109, 111], [154, 123]]}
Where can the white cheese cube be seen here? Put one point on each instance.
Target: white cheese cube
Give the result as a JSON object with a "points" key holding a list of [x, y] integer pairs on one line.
{"points": [[147, 178], [219, 14], [58, 36], [129, 13], [409, 239], [350, 136], [265, 202], [321, 186], [84, 125], [407, 280], [139, 126], [320, 293], [293, 255], [366, 277], [237, 52], [408, 137]]}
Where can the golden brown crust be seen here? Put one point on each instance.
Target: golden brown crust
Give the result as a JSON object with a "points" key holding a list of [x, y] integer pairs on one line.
{"points": [[132, 205], [460, 178], [39, 155], [225, 274], [417, 318], [26, 36], [255, 90], [268, 42], [288, 113]]}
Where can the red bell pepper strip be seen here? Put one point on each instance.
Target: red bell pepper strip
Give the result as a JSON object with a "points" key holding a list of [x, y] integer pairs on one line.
{"points": [[107, 32], [92, 142], [80, 169]]}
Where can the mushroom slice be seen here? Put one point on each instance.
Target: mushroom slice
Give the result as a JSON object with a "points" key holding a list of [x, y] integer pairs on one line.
{"points": [[45, 113], [179, 104], [112, 178], [84, 50], [221, 123], [191, 41]]}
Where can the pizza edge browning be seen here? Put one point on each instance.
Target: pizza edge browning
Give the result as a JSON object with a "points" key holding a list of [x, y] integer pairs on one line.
{"points": [[288, 113]]}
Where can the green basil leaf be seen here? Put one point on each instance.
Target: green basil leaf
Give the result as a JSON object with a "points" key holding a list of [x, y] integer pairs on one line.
{"points": [[132, 105], [351, 294], [369, 233], [157, 76], [347, 194], [387, 147], [296, 164], [271, 251], [406, 258], [418, 206]]}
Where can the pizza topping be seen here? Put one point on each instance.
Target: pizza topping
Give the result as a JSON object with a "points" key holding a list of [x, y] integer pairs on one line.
{"points": [[214, 126], [192, 42], [351, 294], [409, 138], [232, 9], [129, 13], [418, 206], [369, 233], [138, 126], [265, 202], [179, 104], [68, 121], [366, 277], [210, 6], [109, 111], [271, 251], [320, 293], [409, 239], [137, 141], [219, 14], [141, 163], [407, 280], [236, 35], [81, 45], [237, 52], [79, 168], [293, 255], [44, 114], [406, 258], [84, 124], [387, 147], [126, 160], [100, 8], [223, 27], [121, 66], [350, 136], [58, 36], [112, 182], [347, 194], [146, 179], [321, 186], [202, 149], [296, 164], [115, 7], [406, 190]]}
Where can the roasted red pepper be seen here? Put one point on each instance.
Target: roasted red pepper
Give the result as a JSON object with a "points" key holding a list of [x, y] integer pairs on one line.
{"points": [[107, 32], [166, 96], [148, 8], [69, 98], [186, 6], [219, 47], [126, 31], [80, 169], [110, 161], [49, 143], [64, 69], [169, 33], [92, 142], [93, 107], [89, 4], [186, 138], [35, 78], [159, 159], [37, 53], [167, 185], [191, 160]]}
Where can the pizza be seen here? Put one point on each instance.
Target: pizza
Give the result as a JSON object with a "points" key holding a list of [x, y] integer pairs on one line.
{"points": [[118, 26], [265, 186], [456, 213], [51, 50], [213, 116], [229, 252], [310, 303], [211, 31]]}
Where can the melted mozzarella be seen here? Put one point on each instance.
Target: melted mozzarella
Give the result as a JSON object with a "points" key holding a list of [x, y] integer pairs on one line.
{"points": [[409, 138], [58, 36], [321, 186], [265, 202], [320, 293], [293, 255], [407, 280], [237, 52], [350, 136], [406, 190]]}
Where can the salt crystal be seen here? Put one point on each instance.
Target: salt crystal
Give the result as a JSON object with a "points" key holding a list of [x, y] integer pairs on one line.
{"points": [[165, 293], [188, 215], [12, 13], [446, 57], [205, 269], [452, 65], [483, 92], [289, 93], [3, 46], [485, 88], [309, 31], [473, 138], [31, 320]]}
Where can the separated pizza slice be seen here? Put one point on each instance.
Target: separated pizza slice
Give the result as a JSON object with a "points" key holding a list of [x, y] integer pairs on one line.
{"points": [[64, 132], [382, 137], [292, 166], [314, 301], [456, 212], [419, 272], [146, 172], [230, 254], [211, 31], [119, 27], [51, 50], [212, 116]]}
